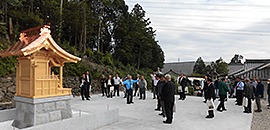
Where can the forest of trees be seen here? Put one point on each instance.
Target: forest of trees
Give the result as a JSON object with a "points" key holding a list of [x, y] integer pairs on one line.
{"points": [[87, 27]]}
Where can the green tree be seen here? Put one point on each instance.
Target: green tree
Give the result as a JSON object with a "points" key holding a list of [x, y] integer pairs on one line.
{"points": [[199, 66], [236, 59]]}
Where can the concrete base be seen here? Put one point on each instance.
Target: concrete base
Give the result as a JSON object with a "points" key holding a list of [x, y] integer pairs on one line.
{"points": [[85, 122], [31, 112]]}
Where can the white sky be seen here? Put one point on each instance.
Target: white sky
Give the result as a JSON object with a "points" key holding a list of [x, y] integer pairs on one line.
{"points": [[183, 35]]}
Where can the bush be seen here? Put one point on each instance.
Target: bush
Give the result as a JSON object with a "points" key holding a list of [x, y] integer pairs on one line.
{"points": [[107, 59]]}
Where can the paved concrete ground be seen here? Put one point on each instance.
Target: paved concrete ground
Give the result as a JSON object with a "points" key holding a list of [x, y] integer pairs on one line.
{"points": [[190, 114]]}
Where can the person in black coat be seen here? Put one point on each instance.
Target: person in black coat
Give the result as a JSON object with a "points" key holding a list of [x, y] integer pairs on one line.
{"points": [[109, 83], [182, 82], [87, 83], [103, 85], [83, 87], [209, 95], [168, 91], [205, 87]]}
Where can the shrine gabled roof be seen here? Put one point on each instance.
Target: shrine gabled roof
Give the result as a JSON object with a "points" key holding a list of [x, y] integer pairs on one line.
{"points": [[34, 39]]}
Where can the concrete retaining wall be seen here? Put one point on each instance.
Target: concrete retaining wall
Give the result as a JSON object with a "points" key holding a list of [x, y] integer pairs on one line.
{"points": [[85, 122], [6, 115]]}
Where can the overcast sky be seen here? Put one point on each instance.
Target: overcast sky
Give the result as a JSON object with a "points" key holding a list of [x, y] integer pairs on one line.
{"points": [[183, 26]]}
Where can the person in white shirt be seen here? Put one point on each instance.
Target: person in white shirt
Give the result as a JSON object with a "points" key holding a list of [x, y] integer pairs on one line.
{"points": [[109, 83], [117, 81], [155, 81], [239, 91]]}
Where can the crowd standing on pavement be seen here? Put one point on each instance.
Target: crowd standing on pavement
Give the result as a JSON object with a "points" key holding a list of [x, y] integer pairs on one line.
{"points": [[163, 90]]}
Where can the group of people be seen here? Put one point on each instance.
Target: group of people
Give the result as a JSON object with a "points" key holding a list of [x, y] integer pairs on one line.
{"points": [[110, 86], [164, 91], [85, 86], [245, 91]]}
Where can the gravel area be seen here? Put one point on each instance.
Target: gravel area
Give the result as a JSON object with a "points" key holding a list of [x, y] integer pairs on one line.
{"points": [[261, 120]]}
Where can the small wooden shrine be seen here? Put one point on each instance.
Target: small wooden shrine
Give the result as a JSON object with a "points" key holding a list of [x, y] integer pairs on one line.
{"points": [[38, 52]]}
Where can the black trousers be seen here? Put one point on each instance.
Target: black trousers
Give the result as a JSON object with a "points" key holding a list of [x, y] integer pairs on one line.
{"points": [[83, 91], [116, 89], [142, 93], [87, 86], [129, 95], [103, 89], [221, 104], [182, 95], [249, 105], [169, 110], [154, 91], [136, 89], [158, 103], [239, 96]]}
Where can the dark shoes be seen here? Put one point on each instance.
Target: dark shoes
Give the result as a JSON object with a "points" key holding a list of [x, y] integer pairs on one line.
{"points": [[210, 114], [167, 122], [204, 101], [157, 109], [219, 110], [224, 109], [258, 110], [87, 99]]}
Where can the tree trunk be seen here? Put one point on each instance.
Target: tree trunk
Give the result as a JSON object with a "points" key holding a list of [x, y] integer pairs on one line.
{"points": [[60, 24], [81, 38]]}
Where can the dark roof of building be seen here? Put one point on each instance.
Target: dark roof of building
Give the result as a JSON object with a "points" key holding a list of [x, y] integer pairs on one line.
{"points": [[180, 67]]}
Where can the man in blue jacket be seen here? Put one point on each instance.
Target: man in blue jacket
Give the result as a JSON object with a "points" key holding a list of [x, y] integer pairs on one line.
{"points": [[129, 87], [259, 94]]}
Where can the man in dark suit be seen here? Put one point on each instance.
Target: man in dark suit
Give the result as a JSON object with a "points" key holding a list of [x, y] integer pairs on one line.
{"points": [[168, 97], [87, 83], [109, 83], [83, 87], [182, 82], [209, 95], [103, 86], [205, 85]]}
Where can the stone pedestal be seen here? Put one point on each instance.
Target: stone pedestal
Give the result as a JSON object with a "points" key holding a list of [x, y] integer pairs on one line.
{"points": [[31, 112]]}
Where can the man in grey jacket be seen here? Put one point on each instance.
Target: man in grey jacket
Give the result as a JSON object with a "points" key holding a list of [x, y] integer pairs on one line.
{"points": [[143, 86], [248, 94]]}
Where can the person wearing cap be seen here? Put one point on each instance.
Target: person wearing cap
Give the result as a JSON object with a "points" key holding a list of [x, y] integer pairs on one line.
{"points": [[239, 91], [103, 86], [143, 86], [259, 94], [248, 94], [223, 89], [210, 97], [137, 86], [167, 95], [129, 86]]}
